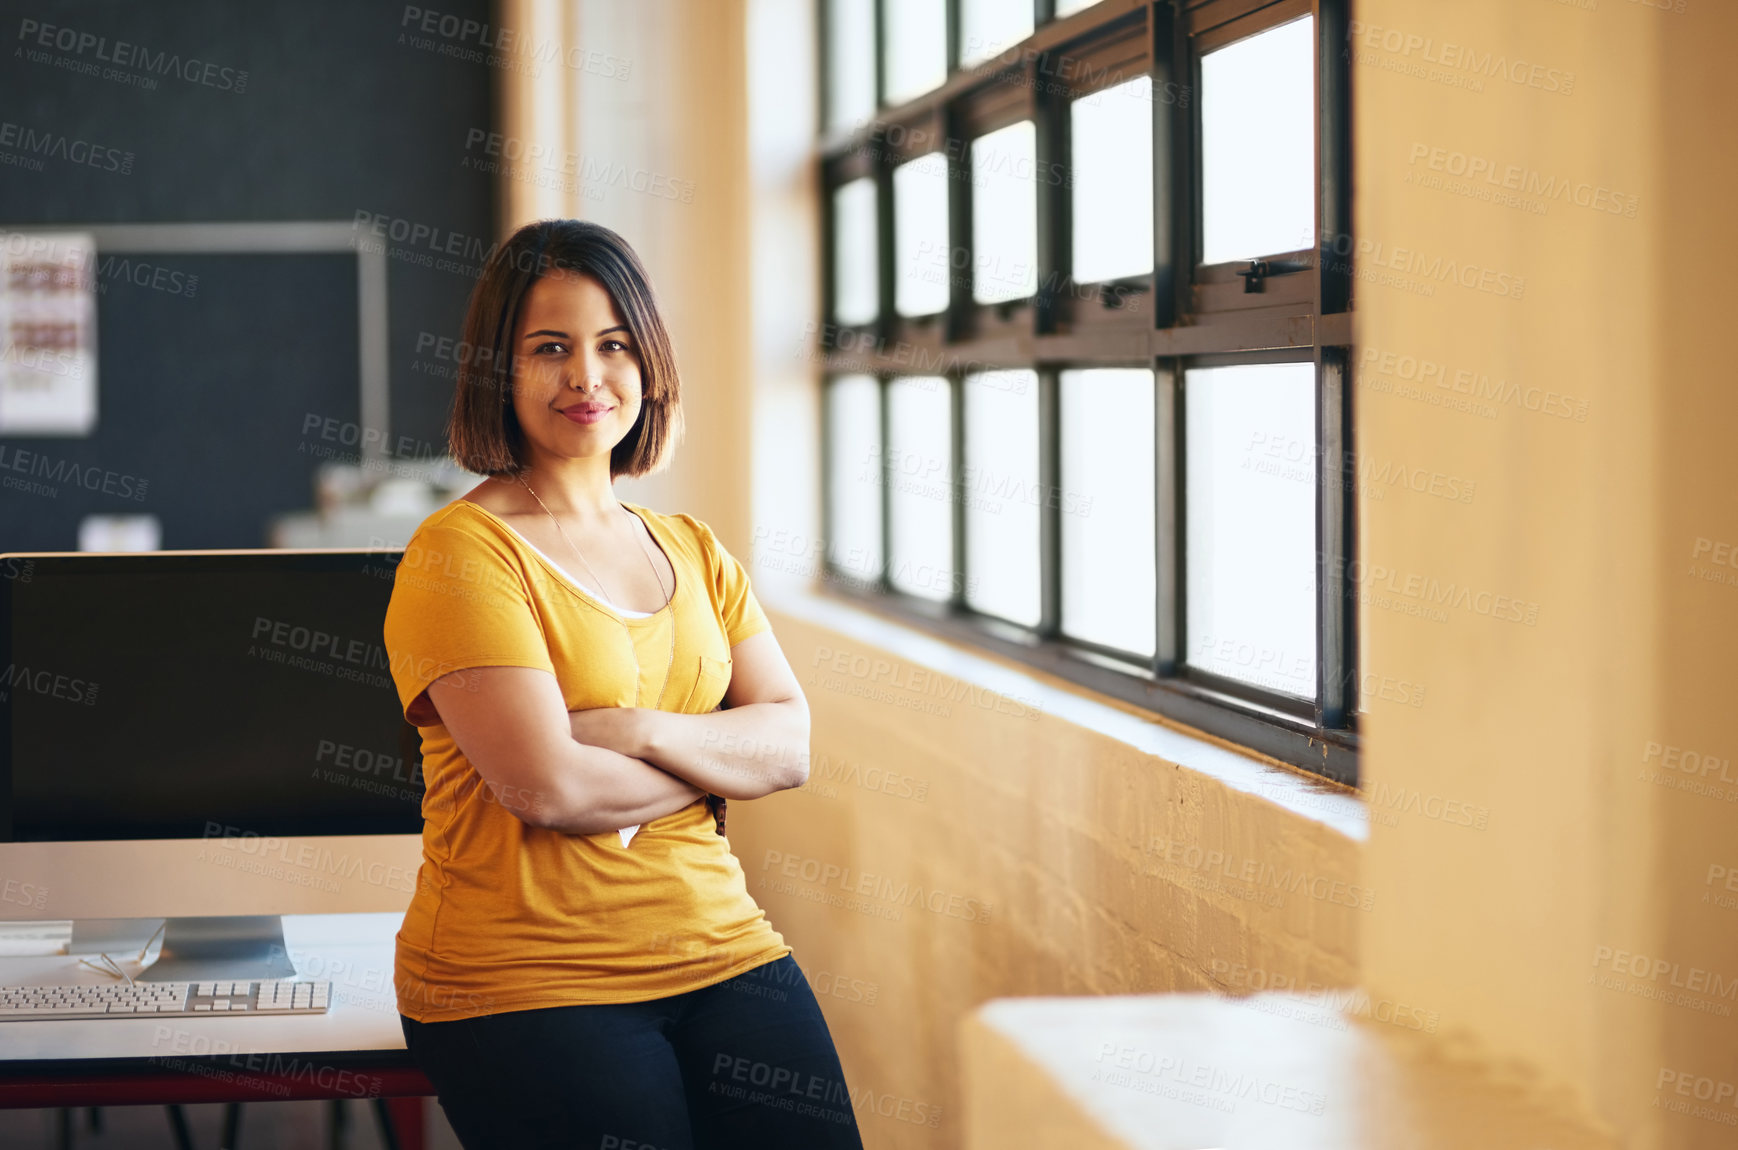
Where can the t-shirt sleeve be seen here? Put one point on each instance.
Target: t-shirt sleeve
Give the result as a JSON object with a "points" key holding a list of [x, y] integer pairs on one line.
{"points": [[731, 591], [458, 600]]}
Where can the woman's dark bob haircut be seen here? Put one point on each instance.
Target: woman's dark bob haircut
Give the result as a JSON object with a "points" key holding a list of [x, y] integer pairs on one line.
{"points": [[484, 432]]}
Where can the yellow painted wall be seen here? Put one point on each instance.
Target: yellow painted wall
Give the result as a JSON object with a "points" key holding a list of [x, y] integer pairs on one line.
{"points": [[1588, 508]]}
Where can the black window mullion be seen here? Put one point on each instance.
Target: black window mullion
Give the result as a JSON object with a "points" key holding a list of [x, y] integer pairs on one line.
{"points": [[1051, 127], [1050, 509], [1336, 677], [958, 319], [829, 454], [1168, 558], [829, 264], [886, 319], [884, 386], [1176, 168], [955, 383], [953, 36], [880, 54], [823, 53], [1333, 158]]}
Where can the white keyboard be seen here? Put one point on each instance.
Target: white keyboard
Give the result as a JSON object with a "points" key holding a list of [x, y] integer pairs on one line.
{"points": [[158, 999]]}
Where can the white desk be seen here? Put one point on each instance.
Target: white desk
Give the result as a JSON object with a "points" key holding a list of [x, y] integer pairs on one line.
{"points": [[351, 951], [354, 1050]]}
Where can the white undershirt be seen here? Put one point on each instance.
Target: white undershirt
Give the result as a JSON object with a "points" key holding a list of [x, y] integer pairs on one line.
{"points": [[574, 583]]}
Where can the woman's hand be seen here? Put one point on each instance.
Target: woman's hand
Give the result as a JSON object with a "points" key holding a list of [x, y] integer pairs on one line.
{"points": [[620, 729], [757, 745]]}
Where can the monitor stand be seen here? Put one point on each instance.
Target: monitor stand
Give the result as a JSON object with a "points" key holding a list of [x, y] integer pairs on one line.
{"points": [[202, 948]]}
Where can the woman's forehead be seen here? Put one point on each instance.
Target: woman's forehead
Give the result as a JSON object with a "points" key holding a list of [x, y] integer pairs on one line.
{"points": [[570, 292]]}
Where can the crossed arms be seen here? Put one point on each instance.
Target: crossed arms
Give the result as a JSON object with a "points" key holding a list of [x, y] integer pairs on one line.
{"points": [[597, 770]]}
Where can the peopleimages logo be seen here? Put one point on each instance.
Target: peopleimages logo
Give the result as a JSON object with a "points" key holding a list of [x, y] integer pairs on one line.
{"points": [[1523, 180], [56, 146], [126, 55], [1454, 57]]}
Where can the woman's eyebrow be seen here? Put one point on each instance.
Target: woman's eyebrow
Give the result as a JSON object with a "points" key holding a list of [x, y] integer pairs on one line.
{"points": [[622, 327]]}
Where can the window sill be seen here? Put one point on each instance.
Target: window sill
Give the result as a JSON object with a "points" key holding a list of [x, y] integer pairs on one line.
{"points": [[1334, 807], [1304, 1072]]}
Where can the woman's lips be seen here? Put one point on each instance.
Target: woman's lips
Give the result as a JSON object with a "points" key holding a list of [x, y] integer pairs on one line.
{"points": [[585, 412]]}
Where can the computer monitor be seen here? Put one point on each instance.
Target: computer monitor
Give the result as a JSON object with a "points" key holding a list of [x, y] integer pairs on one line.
{"points": [[207, 737]]}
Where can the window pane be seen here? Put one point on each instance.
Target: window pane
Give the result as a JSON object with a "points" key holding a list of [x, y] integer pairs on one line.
{"points": [[854, 476], [854, 281], [987, 27], [920, 501], [1002, 496], [1106, 507], [1005, 214], [1067, 7], [920, 252], [850, 62], [1258, 104], [915, 53], [1250, 491], [1113, 182]]}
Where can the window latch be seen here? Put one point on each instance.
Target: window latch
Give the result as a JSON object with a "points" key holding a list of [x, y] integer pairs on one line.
{"points": [[1255, 275]]}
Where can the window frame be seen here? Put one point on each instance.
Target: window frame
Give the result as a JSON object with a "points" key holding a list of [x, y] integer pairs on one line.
{"points": [[1179, 314]]}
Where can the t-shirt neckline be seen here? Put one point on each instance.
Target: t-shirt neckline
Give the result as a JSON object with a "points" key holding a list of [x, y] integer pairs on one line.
{"points": [[590, 597]]}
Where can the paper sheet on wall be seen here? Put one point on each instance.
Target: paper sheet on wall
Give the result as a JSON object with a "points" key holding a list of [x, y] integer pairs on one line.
{"points": [[48, 334]]}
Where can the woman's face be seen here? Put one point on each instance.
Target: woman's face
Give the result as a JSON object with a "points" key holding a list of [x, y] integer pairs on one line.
{"points": [[576, 371]]}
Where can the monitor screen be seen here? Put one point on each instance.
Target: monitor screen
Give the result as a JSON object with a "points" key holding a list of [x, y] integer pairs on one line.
{"points": [[194, 695]]}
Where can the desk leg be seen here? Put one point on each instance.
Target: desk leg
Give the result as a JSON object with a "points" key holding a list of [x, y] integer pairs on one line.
{"points": [[401, 1126], [231, 1127], [178, 1126]]}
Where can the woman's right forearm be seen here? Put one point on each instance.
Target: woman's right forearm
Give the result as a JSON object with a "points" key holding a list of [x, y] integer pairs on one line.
{"points": [[598, 790]]}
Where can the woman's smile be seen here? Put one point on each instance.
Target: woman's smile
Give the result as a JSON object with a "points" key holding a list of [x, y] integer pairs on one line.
{"points": [[586, 411]]}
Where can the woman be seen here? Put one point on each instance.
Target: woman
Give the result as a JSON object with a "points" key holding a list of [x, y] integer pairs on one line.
{"points": [[582, 964]]}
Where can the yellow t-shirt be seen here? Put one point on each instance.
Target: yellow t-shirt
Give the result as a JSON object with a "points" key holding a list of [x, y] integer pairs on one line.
{"points": [[507, 916]]}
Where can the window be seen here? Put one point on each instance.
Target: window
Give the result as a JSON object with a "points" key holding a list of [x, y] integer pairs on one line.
{"points": [[921, 255], [1111, 155], [850, 71], [1000, 488], [920, 472], [990, 27], [1004, 214], [855, 288], [1258, 144], [1088, 342], [914, 35]]}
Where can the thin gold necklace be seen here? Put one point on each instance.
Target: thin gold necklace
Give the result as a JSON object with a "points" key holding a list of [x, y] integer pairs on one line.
{"points": [[632, 650]]}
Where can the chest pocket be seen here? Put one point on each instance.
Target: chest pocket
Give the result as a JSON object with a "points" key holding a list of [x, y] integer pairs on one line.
{"points": [[710, 683]]}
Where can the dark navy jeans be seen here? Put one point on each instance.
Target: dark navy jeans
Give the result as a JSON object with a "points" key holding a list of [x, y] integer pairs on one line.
{"points": [[747, 1062]]}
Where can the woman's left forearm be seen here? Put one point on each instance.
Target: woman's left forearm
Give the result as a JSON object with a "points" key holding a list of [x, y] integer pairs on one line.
{"points": [[740, 753]]}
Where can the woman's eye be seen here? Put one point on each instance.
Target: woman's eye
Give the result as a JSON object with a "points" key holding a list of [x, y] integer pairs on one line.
{"points": [[542, 348], [614, 345]]}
